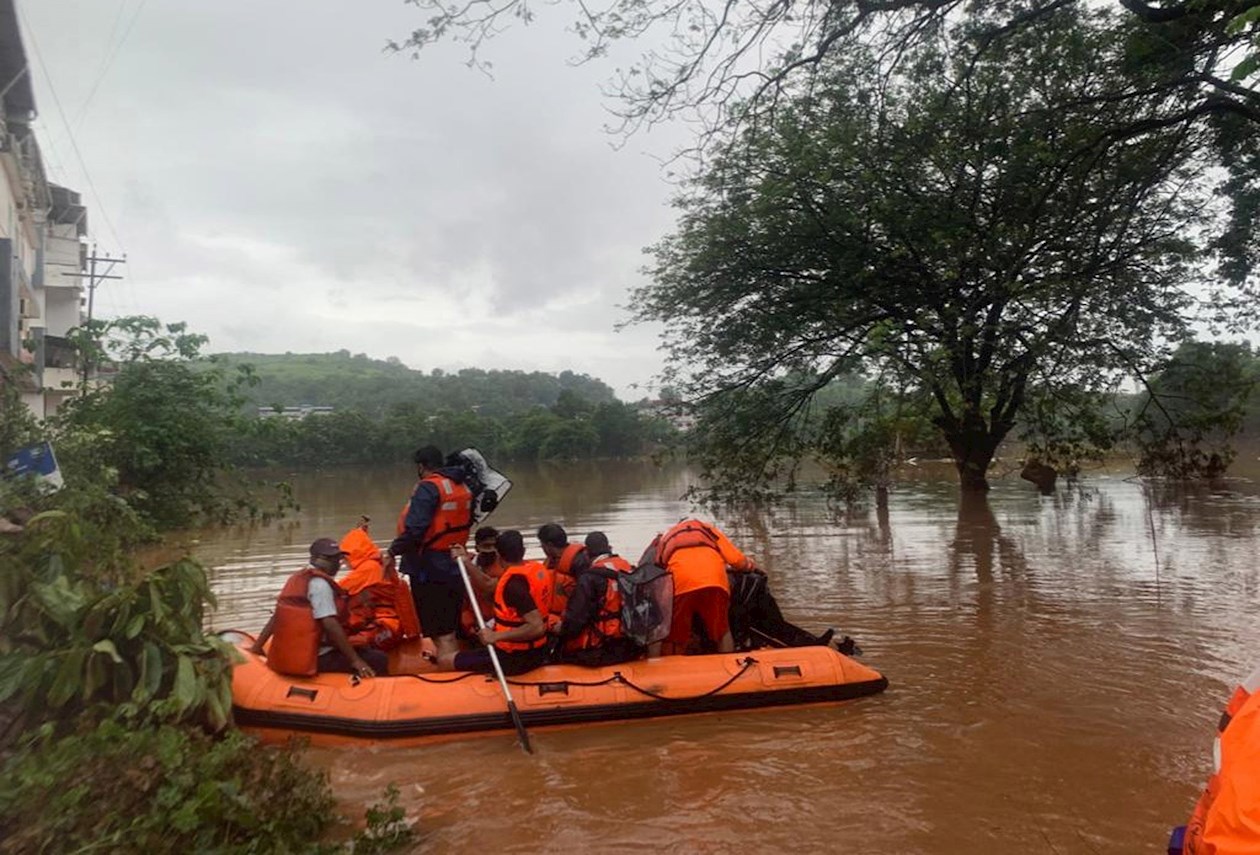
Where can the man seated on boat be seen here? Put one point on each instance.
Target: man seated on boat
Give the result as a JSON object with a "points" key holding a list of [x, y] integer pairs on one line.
{"points": [[381, 612], [308, 628], [522, 599], [567, 561], [698, 554], [437, 517], [486, 559], [590, 631]]}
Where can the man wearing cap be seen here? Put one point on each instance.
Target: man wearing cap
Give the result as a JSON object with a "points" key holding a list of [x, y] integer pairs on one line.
{"points": [[307, 629]]}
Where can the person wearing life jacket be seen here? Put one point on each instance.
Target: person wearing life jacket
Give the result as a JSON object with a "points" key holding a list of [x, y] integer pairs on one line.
{"points": [[697, 555], [307, 630], [381, 611], [437, 516], [486, 558], [1226, 820], [522, 599], [567, 561], [590, 631]]}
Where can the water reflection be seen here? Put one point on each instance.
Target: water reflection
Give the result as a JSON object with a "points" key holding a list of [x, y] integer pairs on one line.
{"points": [[1056, 663]]}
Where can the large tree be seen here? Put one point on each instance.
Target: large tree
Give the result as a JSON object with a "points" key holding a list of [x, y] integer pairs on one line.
{"points": [[722, 60], [977, 225]]}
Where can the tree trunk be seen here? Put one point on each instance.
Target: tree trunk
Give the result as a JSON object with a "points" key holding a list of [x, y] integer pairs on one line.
{"points": [[973, 452]]}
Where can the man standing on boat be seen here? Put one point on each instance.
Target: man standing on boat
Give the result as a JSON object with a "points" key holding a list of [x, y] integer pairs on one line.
{"points": [[308, 628], [697, 554], [437, 517]]}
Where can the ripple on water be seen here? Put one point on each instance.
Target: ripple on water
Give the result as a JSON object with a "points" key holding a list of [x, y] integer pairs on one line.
{"points": [[1056, 666]]}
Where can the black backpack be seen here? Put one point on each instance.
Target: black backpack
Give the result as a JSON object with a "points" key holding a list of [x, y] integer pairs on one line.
{"points": [[647, 601]]}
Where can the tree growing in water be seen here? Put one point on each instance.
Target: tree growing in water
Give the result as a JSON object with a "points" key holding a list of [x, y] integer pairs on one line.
{"points": [[972, 223]]}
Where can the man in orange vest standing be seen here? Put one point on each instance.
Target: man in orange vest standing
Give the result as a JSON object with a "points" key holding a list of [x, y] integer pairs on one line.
{"points": [[697, 555], [437, 517], [308, 628]]}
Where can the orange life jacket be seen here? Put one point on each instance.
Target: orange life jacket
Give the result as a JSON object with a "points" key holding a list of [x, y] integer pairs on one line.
{"points": [[1229, 809], [295, 634], [381, 612], [451, 520], [485, 602], [607, 623], [684, 535], [565, 581], [541, 585]]}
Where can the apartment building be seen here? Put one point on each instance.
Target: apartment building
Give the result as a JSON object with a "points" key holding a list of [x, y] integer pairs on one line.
{"points": [[42, 232]]}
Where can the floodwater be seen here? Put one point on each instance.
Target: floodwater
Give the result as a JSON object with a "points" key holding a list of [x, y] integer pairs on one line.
{"points": [[1057, 666]]}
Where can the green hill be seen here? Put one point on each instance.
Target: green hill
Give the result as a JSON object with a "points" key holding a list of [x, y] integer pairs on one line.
{"points": [[374, 386]]}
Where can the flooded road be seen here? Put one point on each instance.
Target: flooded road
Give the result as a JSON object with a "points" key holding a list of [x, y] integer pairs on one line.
{"points": [[1057, 666]]}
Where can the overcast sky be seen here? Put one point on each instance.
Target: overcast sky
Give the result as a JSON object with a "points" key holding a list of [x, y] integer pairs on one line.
{"points": [[280, 183]]}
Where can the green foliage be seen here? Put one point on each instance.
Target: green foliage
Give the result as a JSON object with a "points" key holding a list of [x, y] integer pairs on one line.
{"points": [[1183, 424], [77, 639], [574, 429], [929, 217], [373, 387], [158, 433], [160, 789]]}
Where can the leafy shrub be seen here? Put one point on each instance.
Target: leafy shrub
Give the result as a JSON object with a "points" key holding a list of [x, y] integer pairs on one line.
{"points": [[160, 789]]}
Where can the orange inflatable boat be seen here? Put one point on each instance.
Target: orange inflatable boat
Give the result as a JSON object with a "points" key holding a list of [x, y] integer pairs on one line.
{"points": [[334, 708]]}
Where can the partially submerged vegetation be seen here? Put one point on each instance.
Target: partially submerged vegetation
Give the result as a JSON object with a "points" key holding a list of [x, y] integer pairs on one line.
{"points": [[115, 703]]}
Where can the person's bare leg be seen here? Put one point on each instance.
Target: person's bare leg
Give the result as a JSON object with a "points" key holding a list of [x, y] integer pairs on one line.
{"points": [[446, 661], [654, 650], [727, 644]]}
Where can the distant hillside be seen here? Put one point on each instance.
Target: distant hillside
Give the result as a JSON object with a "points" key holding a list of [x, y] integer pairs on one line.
{"points": [[374, 386]]}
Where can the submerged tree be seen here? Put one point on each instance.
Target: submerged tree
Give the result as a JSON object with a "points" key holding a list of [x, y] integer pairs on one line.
{"points": [[1192, 408], [974, 223]]}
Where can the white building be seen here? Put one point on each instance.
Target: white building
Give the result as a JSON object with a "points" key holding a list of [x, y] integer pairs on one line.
{"points": [[42, 228]]}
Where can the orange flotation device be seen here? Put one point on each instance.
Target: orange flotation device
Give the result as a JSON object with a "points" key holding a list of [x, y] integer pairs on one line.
{"points": [[382, 614], [541, 582], [697, 555], [607, 624], [331, 709], [296, 635], [1226, 819], [485, 603], [451, 520], [565, 581]]}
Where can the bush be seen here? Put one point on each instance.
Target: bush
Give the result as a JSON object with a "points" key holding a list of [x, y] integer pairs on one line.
{"points": [[160, 789]]}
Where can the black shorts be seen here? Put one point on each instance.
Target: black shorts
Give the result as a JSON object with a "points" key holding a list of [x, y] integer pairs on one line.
{"points": [[512, 663], [438, 605]]}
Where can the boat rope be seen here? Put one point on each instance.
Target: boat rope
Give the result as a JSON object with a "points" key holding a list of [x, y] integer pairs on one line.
{"points": [[618, 677]]}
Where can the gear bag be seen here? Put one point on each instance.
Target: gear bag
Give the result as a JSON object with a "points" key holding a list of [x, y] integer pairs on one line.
{"points": [[487, 486], [647, 601]]}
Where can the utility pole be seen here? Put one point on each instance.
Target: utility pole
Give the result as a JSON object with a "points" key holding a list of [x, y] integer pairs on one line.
{"points": [[93, 279]]}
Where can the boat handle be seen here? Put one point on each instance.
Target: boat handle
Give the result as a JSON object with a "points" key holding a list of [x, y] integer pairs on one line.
{"points": [[553, 689], [309, 694], [787, 671]]}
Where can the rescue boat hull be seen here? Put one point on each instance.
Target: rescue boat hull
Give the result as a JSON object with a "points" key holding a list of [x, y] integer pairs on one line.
{"points": [[334, 708]]}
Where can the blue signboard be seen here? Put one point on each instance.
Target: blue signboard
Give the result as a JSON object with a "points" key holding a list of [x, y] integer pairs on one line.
{"points": [[37, 461]]}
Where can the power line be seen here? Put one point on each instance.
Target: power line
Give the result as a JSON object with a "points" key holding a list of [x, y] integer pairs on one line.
{"points": [[70, 134], [111, 54]]}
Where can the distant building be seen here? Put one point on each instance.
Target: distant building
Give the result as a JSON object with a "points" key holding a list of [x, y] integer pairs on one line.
{"points": [[42, 229], [294, 414]]}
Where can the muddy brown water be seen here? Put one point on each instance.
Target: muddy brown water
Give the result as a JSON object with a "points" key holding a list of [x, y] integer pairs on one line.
{"points": [[1057, 666]]}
